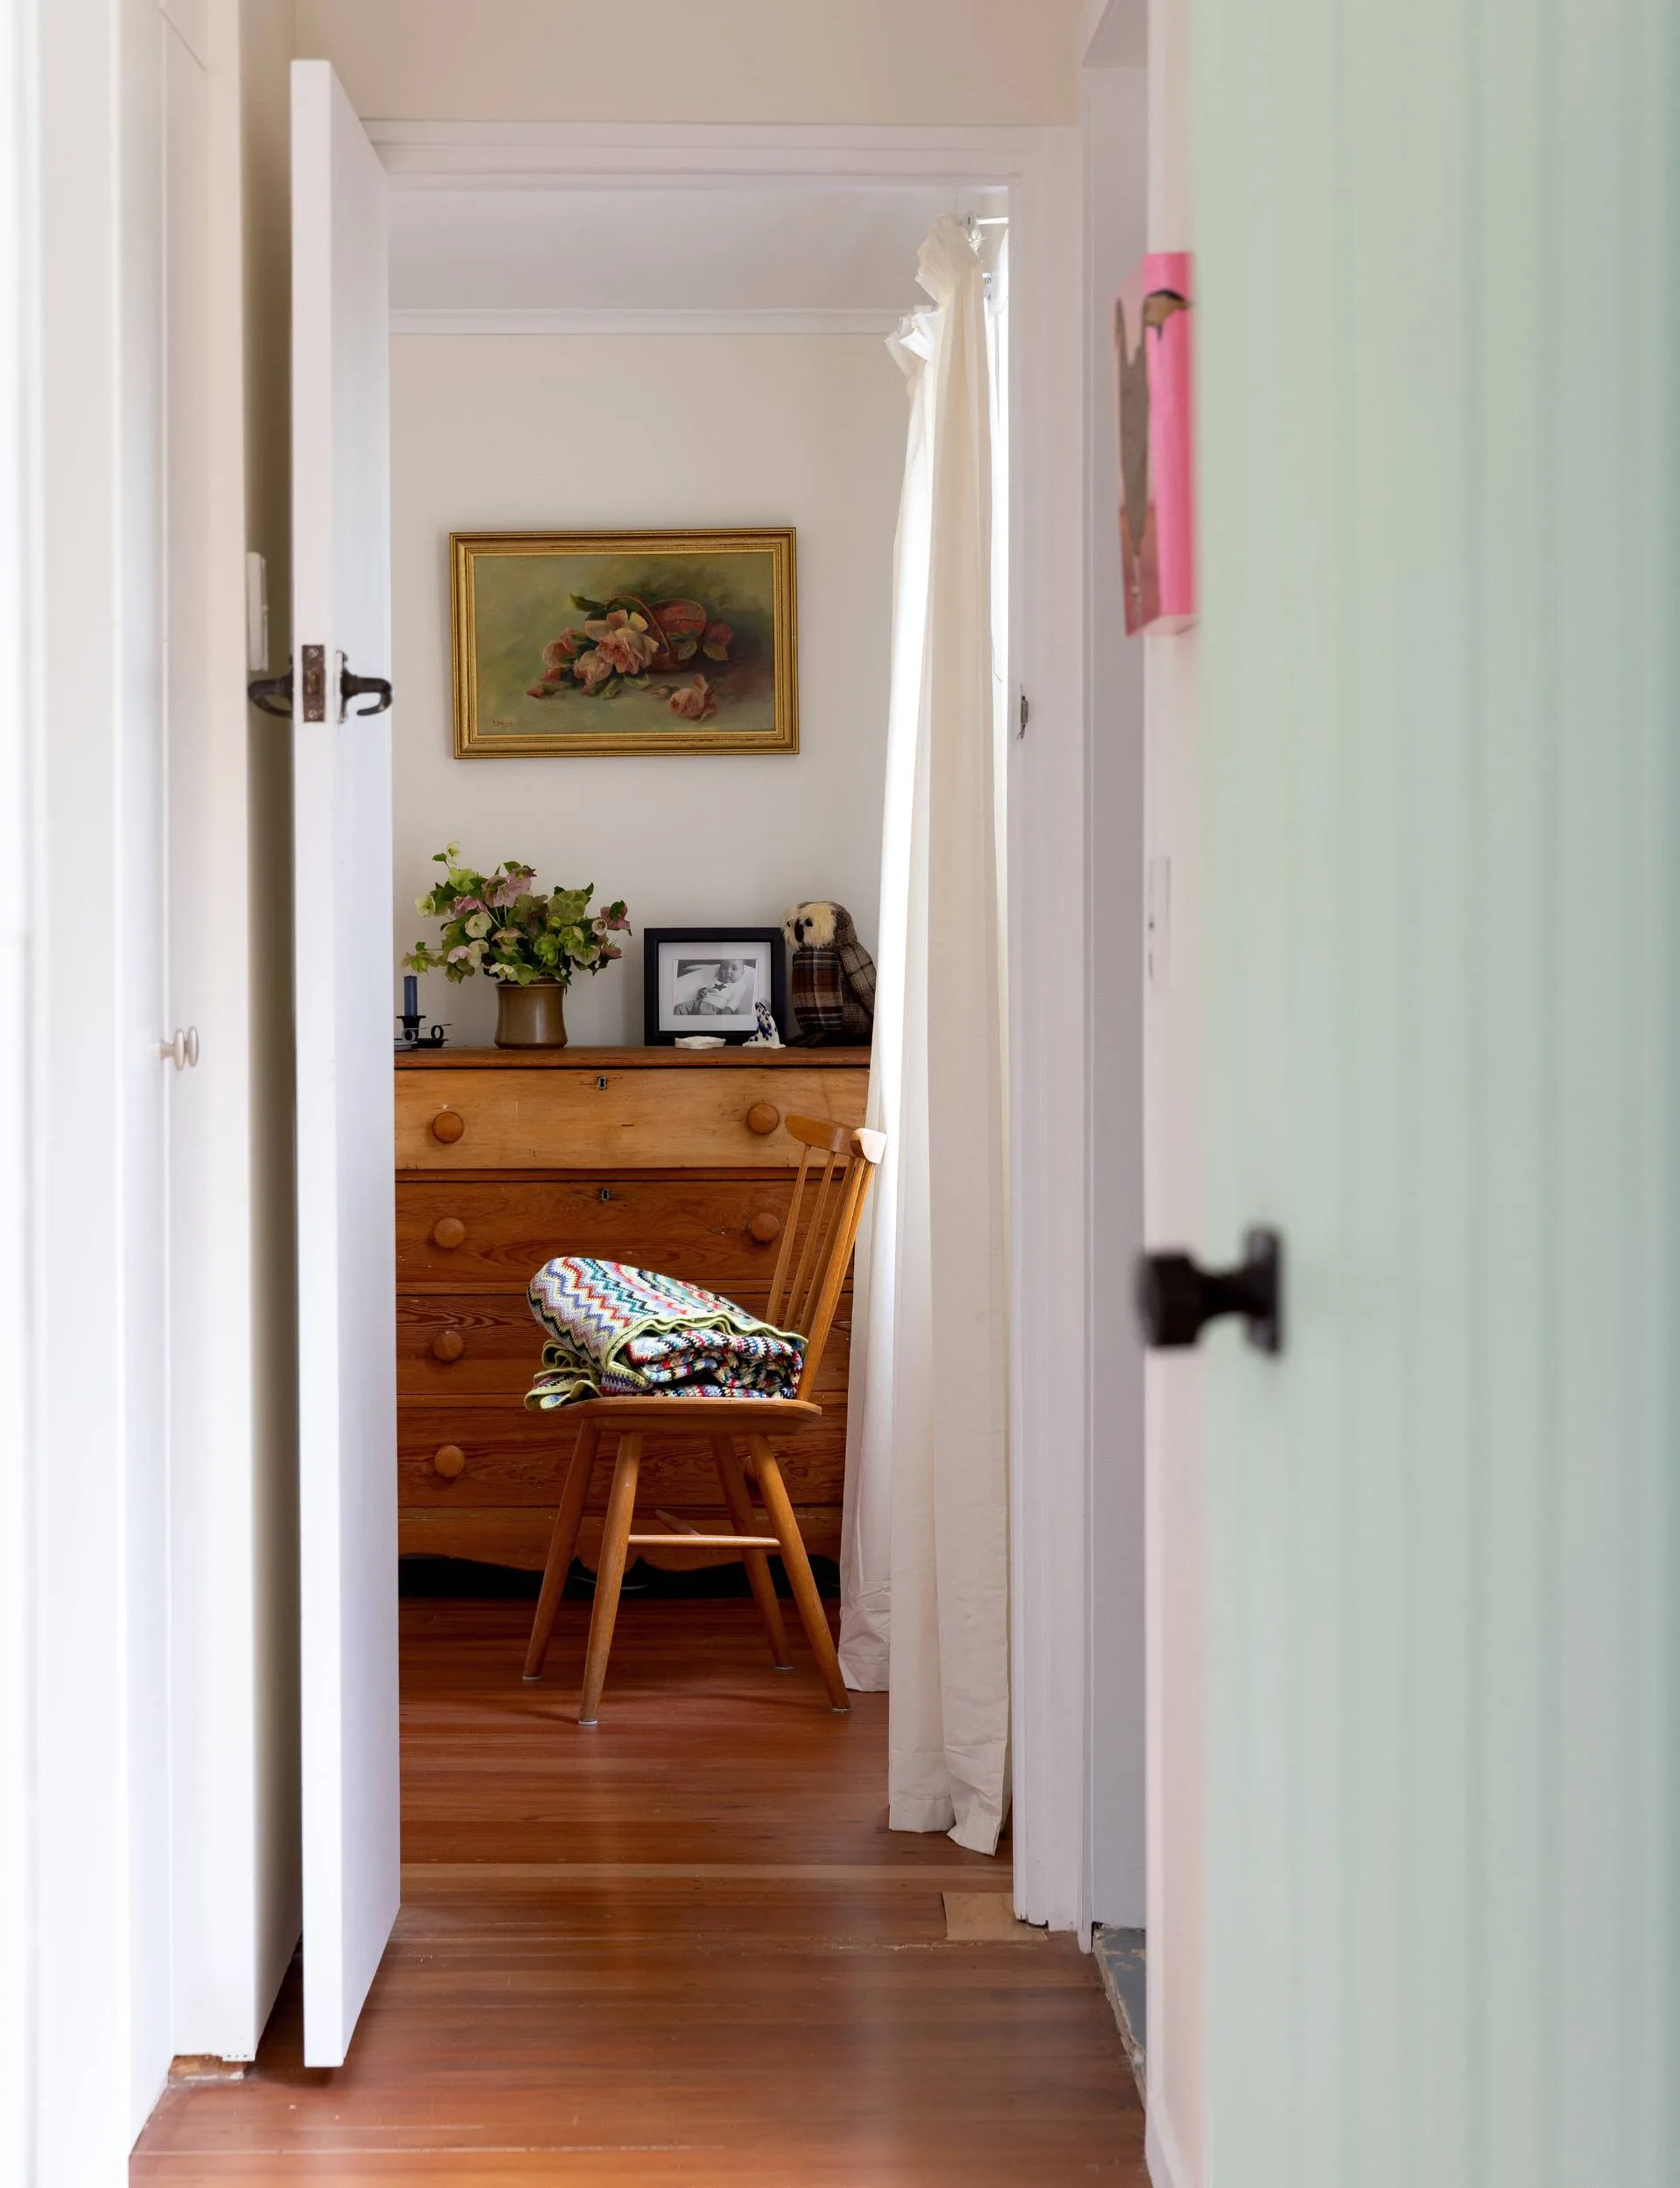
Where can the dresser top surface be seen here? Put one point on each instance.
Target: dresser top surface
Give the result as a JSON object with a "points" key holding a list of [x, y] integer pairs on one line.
{"points": [[580, 1059]]}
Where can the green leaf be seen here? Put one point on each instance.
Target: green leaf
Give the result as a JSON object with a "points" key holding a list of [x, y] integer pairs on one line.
{"points": [[589, 606]]}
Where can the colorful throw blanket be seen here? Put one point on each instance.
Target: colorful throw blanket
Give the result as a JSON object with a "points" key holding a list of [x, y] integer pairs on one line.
{"points": [[619, 1332]]}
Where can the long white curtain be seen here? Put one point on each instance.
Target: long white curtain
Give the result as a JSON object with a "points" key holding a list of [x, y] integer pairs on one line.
{"points": [[925, 1569]]}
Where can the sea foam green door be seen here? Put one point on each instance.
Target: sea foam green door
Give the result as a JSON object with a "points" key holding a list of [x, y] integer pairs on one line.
{"points": [[1438, 279]]}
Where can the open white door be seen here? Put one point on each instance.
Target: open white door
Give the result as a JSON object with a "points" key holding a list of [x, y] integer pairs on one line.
{"points": [[341, 862]]}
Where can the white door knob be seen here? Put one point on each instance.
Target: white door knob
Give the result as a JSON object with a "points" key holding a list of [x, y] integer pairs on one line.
{"points": [[182, 1050]]}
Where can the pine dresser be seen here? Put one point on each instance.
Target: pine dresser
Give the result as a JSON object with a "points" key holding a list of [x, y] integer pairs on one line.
{"points": [[670, 1158]]}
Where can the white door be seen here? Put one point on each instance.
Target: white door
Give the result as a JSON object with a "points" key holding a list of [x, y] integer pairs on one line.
{"points": [[343, 957], [1439, 298]]}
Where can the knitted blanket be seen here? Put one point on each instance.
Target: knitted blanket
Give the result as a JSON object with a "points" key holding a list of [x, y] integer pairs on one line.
{"points": [[619, 1332]]}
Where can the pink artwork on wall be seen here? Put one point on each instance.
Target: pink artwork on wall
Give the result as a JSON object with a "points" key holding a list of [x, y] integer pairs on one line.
{"points": [[1152, 321]]}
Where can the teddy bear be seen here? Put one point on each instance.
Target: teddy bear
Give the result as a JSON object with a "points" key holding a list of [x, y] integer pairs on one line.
{"points": [[831, 977]]}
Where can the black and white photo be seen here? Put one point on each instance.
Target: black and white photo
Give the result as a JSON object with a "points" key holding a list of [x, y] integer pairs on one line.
{"points": [[709, 980]]}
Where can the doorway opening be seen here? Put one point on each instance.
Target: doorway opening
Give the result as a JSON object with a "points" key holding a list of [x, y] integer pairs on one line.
{"points": [[351, 1684], [751, 384], [492, 1482]]}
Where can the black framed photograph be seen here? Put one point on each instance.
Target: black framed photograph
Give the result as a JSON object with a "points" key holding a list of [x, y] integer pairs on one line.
{"points": [[710, 981]]}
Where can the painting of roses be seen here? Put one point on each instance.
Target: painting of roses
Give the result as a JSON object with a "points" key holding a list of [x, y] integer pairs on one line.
{"points": [[589, 643]]}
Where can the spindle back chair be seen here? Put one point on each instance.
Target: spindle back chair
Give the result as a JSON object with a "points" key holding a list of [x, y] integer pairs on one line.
{"points": [[830, 1188]]}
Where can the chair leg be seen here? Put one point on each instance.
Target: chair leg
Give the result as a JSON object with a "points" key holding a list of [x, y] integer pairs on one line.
{"points": [[786, 1530], [562, 1544], [609, 1579], [733, 1485]]}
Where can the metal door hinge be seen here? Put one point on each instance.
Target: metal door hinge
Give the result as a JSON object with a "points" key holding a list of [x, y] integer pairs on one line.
{"points": [[1025, 714]]}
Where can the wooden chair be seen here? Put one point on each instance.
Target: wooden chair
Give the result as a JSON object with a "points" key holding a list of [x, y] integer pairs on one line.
{"points": [[835, 1167]]}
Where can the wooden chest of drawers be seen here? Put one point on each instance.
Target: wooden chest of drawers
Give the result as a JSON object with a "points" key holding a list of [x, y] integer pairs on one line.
{"points": [[672, 1159]]}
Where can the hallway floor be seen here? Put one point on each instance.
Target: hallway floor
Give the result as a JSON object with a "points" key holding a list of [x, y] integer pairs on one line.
{"points": [[681, 1948]]}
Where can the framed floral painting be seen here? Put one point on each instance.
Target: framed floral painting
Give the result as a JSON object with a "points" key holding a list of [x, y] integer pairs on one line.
{"points": [[589, 643]]}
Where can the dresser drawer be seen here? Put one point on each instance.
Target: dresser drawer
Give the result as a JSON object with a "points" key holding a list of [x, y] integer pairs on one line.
{"points": [[473, 1344], [467, 1232], [465, 1344], [612, 1119], [514, 1456]]}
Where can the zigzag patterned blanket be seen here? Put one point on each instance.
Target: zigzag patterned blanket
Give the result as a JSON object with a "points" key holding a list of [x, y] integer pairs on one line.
{"points": [[619, 1332]]}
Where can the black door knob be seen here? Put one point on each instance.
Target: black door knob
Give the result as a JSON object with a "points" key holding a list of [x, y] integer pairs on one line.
{"points": [[354, 687], [1177, 1299], [272, 694]]}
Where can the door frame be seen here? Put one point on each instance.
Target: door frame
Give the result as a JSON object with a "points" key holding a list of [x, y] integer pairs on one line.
{"points": [[1051, 1372]]}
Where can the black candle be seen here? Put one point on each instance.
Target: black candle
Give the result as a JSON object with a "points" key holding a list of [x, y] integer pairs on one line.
{"points": [[410, 995]]}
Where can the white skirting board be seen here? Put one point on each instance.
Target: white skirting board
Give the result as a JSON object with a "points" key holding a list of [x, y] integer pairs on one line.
{"points": [[1167, 2168]]}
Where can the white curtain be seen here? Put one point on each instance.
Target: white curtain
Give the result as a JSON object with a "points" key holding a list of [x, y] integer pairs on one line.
{"points": [[925, 1564]]}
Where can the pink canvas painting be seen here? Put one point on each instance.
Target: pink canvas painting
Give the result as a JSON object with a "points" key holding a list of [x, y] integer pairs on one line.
{"points": [[1153, 320]]}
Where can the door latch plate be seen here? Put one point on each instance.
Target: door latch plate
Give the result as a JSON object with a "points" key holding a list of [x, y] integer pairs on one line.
{"points": [[314, 683]]}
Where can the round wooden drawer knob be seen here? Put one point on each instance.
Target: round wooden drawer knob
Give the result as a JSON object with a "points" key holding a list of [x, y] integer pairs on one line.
{"points": [[448, 1344], [449, 1460], [448, 1232], [448, 1125], [763, 1116], [765, 1226]]}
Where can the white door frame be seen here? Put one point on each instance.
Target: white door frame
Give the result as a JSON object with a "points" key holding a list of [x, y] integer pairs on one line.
{"points": [[1049, 1045], [84, 370]]}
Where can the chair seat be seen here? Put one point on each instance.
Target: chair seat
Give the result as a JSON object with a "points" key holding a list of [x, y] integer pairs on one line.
{"points": [[706, 1414]]}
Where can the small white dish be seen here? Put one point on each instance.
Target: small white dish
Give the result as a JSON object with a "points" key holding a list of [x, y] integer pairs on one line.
{"points": [[701, 1040]]}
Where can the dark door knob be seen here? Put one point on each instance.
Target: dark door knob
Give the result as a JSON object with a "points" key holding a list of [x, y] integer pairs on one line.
{"points": [[354, 687], [1177, 1299], [272, 694]]}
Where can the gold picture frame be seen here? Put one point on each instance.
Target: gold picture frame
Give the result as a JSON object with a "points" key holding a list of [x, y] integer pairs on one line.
{"points": [[589, 643]]}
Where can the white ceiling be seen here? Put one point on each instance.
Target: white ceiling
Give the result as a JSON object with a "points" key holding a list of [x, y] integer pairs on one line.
{"points": [[624, 251]]}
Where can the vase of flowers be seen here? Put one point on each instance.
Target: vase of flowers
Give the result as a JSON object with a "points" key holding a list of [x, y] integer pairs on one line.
{"points": [[531, 942]]}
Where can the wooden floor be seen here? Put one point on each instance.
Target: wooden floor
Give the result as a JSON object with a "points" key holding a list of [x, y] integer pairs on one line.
{"points": [[681, 1948]]}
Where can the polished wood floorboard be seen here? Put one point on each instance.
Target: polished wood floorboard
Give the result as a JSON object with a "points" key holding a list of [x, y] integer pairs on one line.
{"points": [[680, 1948]]}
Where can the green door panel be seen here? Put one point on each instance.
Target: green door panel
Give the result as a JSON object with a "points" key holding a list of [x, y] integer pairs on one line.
{"points": [[1438, 273]]}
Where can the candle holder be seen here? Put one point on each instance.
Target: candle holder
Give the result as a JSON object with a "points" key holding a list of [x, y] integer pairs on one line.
{"points": [[411, 1019], [411, 1036]]}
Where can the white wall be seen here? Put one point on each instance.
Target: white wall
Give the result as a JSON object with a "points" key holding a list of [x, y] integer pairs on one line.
{"points": [[105, 1967], [544, 433], [95, 1457], [1115, 128], [18, 924], [1175, 1463], [916, 61]]}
